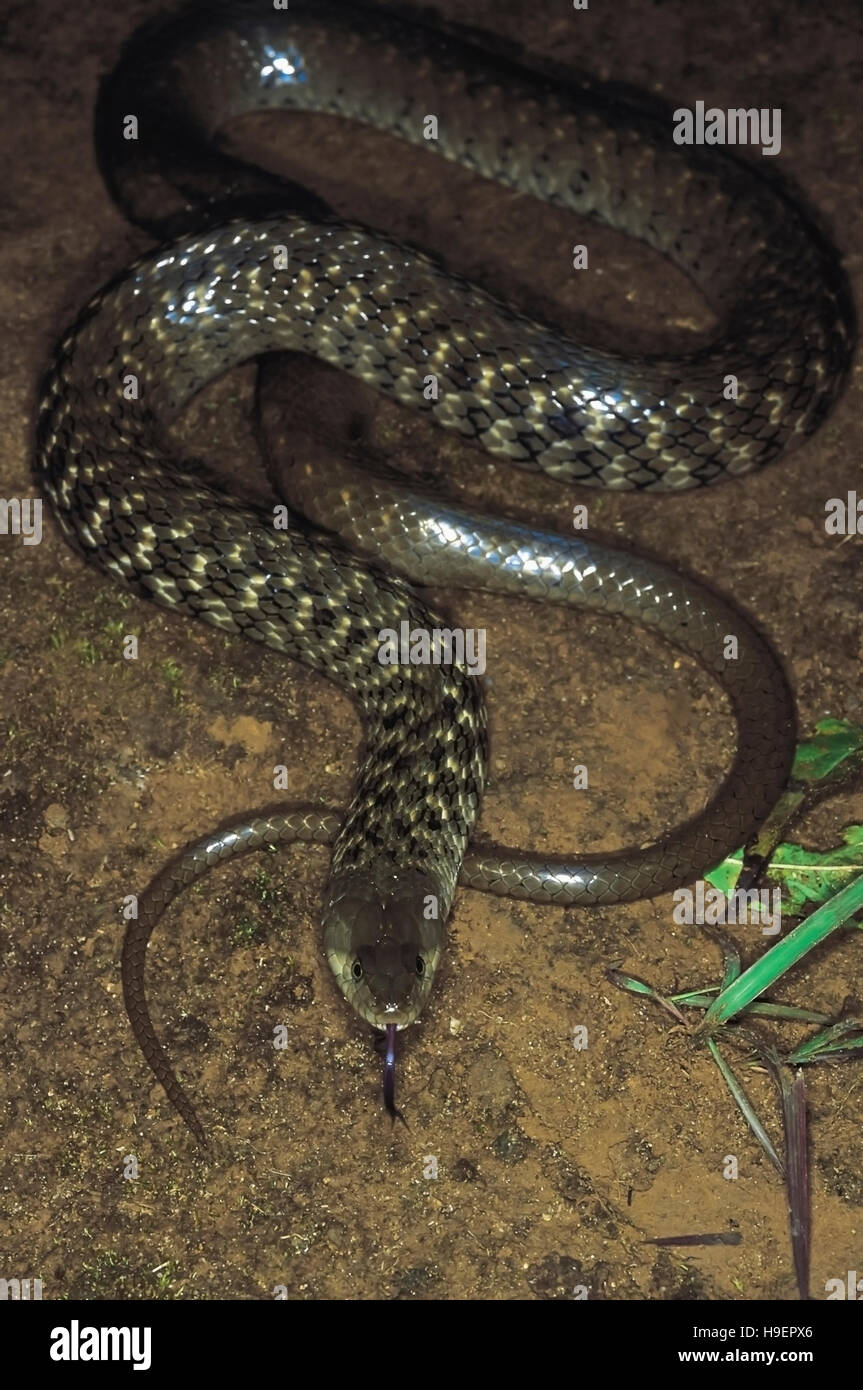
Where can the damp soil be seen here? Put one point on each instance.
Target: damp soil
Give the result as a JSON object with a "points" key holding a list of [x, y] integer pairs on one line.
{"points": [[529, 1168]]}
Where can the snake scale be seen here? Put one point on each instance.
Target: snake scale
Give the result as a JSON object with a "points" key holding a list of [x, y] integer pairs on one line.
{"points": [[253, 266]]}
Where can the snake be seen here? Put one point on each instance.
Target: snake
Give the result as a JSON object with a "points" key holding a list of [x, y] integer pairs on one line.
{"points": [[248, 264]]}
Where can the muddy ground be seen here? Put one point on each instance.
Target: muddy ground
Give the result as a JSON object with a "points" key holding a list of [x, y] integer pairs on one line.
{"points": [[554, 1164]]}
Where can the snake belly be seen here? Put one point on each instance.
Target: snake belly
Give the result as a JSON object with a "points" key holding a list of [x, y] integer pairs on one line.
{"points": [[523, 391]]}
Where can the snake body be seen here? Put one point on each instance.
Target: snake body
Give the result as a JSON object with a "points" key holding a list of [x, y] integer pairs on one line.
{"points": [[302, 281]]}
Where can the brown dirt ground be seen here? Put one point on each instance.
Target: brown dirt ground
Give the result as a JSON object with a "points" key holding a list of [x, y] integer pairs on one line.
{"points": [[554, 1164]]}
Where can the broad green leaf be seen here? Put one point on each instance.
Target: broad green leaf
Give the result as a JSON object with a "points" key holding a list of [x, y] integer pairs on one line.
{"points": [[835, 744], [835, 750], [804, 875]]}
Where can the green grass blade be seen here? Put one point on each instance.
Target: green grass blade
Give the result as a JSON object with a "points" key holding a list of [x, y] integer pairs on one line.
{"points": [[823, 1042], [731, 963], [746, 1107], [797, 1171], [787, 1012], [633, 985], [783, 955], [844, 1049]]}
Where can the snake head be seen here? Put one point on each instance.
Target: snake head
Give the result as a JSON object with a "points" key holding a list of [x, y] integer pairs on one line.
{"points": [[381, 943]]}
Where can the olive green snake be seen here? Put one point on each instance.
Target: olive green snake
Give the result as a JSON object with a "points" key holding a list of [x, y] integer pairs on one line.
{"points": [[282, 273]]}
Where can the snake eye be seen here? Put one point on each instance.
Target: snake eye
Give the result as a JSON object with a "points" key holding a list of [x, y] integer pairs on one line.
{"points": [[421, 966], [357, 970]]}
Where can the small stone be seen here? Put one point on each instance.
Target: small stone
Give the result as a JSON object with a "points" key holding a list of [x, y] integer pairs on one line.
{"points": [[56, 817]]}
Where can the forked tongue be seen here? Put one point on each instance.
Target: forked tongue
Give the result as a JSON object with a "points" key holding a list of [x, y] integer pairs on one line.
{"points": [[390, 1074]]}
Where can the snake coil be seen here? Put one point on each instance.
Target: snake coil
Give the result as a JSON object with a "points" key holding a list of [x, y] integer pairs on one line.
{"points": [[217, 294]]}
